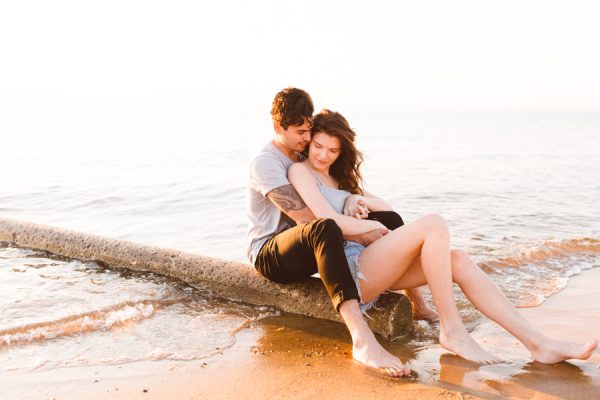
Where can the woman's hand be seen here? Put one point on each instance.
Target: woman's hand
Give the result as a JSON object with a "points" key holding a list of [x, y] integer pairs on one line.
{"points": [[369, 237], [356, 207]]}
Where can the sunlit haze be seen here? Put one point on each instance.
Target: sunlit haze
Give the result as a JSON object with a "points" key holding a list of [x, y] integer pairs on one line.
{"points": [[147, 65]]}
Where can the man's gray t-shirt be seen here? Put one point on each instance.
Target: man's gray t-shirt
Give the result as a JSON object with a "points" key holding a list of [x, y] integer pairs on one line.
{"points": [[268, 171]]}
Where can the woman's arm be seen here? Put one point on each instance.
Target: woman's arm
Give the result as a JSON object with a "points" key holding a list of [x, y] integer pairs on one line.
{"points": [[375, 203], [358, 206], [305, 184]]}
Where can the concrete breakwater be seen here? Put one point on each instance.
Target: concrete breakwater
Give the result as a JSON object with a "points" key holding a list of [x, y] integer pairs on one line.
{"points": [[229, 279]]}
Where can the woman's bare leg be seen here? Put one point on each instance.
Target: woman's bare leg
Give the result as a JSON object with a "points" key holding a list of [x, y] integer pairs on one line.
{"points": [[490, 300], [429, 238], [420, 309]]}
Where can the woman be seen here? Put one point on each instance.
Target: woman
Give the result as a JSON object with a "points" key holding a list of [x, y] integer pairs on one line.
{"points": [[415, 254]]}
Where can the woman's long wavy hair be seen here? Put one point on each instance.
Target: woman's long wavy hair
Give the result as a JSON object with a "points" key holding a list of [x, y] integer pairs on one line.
{"points": [[346, 169]]}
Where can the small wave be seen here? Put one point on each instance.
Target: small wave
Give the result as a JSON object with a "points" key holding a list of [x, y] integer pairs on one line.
{"points": [[100, 320], [251, 320], [546, 251]]}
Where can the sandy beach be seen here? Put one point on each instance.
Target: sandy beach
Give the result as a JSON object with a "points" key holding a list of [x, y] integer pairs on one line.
{"points": [[141, 128], [296, 358]]}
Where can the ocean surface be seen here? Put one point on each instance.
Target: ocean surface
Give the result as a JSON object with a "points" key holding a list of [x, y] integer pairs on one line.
{"points": [[520, 191]]}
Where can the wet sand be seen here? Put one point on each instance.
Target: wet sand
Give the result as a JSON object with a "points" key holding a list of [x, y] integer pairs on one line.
{"points": [[296, 358], [572, 314], [283, 357]]}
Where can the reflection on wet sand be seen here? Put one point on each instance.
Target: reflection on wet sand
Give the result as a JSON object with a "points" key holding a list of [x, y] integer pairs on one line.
{"points": [[564, 380], [315, 356], [308, 334], [324, 348], [522, 378], [525, 380]]}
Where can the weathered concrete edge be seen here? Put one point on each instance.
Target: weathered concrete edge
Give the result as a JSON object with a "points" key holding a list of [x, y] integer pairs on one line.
{"points": [[229, 279]]}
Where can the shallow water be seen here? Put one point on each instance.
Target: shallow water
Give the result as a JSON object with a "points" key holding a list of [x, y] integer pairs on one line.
{"points": [[61, 313], [519, 190]]}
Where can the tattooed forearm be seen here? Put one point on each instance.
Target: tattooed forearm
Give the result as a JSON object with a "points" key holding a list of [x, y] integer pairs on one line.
{"points": [[286, 198]]}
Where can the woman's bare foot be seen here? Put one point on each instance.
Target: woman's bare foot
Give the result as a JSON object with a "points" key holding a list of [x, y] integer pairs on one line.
{"points": [[423, 312], [553, 351], [463, 345], [370, 353]]}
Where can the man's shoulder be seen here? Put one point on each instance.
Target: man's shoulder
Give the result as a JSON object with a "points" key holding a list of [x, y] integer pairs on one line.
{"points": [[265, 153], [268, 170], [267, 157]]}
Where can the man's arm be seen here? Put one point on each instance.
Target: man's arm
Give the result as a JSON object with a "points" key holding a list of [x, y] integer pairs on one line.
{"points": [[287, 199]]}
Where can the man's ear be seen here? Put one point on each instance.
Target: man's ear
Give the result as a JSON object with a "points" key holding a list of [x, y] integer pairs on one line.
{"points": [[278, 128]]}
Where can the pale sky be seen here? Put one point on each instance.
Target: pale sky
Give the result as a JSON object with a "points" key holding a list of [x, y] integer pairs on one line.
{"points": [[120, 58]]}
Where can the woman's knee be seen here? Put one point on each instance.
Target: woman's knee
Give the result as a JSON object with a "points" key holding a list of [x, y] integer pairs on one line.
{"points": [[435, 224], [462, 265], [435, 220]]}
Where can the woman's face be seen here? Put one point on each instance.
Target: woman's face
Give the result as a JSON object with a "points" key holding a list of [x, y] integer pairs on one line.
{"points": [[323, 150]]}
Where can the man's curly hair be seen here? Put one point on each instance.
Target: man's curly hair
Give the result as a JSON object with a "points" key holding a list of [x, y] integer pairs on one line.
{"points": [[291, 106]]}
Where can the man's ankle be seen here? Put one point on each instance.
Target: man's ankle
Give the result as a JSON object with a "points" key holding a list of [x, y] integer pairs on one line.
{"points": [[354, 320]]}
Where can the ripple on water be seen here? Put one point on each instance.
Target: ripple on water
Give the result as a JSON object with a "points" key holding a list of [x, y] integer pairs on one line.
{"points": [[108, 317], [61, 312]]}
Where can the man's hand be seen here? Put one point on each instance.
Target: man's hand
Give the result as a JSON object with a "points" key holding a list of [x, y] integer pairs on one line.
{"points": [[356, 207], [367, 238]]}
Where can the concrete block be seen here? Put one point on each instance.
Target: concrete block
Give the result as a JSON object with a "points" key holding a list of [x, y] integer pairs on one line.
{"points": [[232, 280]]}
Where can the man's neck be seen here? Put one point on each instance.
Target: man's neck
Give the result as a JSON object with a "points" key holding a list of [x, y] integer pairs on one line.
{"points": [[291, 154]]}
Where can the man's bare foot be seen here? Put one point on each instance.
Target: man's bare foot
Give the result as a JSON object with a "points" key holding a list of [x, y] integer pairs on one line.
{"points": [[424, 312], [370, 353], [463, 345], [553, 351]]}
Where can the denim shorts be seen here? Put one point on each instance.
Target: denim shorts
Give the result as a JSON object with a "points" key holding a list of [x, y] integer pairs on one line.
{"points": [[353, 251]]}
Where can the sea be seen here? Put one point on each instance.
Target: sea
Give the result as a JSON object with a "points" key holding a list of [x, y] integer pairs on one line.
{"points": [[520, 192]]}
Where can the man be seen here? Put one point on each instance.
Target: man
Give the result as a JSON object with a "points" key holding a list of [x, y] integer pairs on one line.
{"points": [[287, 242]]}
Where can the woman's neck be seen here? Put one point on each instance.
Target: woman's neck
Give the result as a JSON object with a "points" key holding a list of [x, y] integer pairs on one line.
{"points": [[317, 171], [324, 174]]}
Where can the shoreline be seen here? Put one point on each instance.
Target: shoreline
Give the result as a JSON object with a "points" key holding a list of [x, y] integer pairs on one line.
{"points": [[267, 362], [298, 357]]}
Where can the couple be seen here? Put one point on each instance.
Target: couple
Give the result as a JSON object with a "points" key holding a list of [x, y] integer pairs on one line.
{"points": [[308, 213]]}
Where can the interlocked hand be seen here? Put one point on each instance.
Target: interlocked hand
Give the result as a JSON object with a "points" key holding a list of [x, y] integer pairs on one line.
{"points": [[356, 207]]}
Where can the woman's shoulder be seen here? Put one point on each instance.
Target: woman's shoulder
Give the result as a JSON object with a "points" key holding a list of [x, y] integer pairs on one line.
{"points": [[300, 172], [299, 168]]}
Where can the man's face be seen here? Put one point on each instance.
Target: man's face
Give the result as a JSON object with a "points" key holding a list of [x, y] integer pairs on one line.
{"points": [[294, 138]]}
